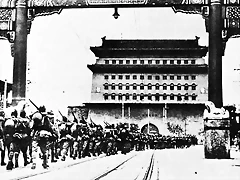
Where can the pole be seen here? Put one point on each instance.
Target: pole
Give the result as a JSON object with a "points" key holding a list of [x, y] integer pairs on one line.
{"points": [[5, 96], [122, 111], [129, 112], [20, 53], [148, 121], [215, 53]]}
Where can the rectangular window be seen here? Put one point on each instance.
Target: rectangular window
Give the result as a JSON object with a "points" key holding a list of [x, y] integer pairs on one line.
{"points": [[149, 98], [142, 87], [172, 77], [171, 97], [193, 77], [106, 87], [142, 77], [127, 97], [185, 97], [142, 62], [127, 87], [134, 97], [149, 77], [120, 87], [120, 77], [171, 87], [141, 98], [157, 98], [127, 76], [164, 61], [106, 61], [178, 61], [105, 97], [185, 77], [164, 97], [106, 77], [149, 87], [119, 97], [113, 76], [134, 76], [134, 87], [120, 61], [185, 87], [164, 77], [157, 62], [113, 61], [179, 98], [193, 98], [127, 61], [157, 77], [164, 87], [193, 62], [178, 77], [185, 61], [113, 87], [113, 97], [134, 61], [149, 61], [157, 87], [193, 87], [171, 61], [178, 87]]}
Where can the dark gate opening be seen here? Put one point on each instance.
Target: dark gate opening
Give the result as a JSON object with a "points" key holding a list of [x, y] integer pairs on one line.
{"points": [[152, 129]]}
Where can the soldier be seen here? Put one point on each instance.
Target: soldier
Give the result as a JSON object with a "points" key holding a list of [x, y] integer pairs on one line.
{"points": [[98, 140], [41, 133], [65, 136], [2, 146], [8, 132], [20, 141]]}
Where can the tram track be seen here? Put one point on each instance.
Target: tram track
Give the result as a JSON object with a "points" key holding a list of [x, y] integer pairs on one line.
{"points": [[144, 174]]}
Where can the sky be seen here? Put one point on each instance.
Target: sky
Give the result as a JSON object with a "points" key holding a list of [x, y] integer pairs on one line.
{"points": [[59, 49]]}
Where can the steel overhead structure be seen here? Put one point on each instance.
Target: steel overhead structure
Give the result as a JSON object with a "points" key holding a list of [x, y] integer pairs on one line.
{"points": [[221, 16]]}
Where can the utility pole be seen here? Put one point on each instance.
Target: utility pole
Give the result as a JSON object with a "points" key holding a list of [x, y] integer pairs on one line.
{"points": [[5, 95], [215, 53], [20, 53]]}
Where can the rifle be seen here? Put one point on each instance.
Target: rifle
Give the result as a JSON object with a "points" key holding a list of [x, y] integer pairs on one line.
{"points": [[60, 113], [34, 104], [75, 119]]}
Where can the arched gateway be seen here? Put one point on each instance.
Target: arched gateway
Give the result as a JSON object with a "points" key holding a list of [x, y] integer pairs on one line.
{"points": [[152, 129]]}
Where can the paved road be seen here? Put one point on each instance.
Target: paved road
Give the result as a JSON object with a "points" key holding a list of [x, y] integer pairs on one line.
{"points": [[169, 164]]}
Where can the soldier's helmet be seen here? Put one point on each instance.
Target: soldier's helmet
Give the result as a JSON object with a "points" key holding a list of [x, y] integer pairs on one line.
{"points": [[14, 113], [2, 114], [23, 114], [42, 109]]}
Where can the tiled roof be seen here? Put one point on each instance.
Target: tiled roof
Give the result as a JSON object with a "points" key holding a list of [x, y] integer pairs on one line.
{"points": [[154, 48]]}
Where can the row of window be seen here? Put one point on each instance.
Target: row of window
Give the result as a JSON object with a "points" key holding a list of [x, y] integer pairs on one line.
{"points": [[150, 86], [150, 62], [150, 97], [150, 77]]}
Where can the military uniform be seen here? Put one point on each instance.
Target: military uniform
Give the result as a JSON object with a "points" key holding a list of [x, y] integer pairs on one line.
{"points": [[41, 134], [2, 146]]}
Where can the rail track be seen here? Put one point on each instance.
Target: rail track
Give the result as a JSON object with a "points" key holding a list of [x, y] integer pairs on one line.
{"points": [[144, 174]]}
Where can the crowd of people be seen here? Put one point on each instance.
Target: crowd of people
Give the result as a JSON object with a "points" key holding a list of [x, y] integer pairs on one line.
{"points": [[76, 139]]}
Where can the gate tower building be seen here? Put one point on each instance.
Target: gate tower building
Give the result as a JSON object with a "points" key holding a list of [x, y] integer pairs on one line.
{"points": [[154, 82]]}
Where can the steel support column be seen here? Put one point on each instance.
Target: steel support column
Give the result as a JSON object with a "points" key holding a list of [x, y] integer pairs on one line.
{"points": [[215, 53], [20, 53]]}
